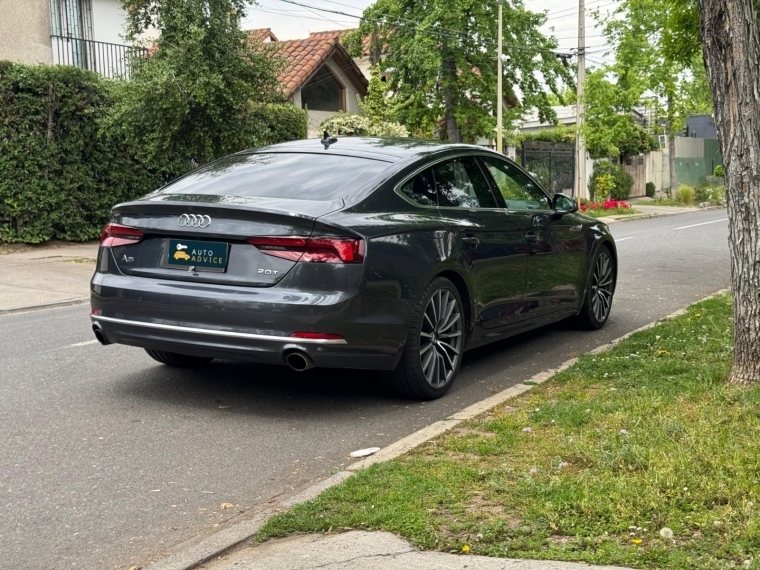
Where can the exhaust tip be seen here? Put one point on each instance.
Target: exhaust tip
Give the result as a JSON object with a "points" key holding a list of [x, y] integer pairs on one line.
{"points": [[99, 335], [299, 361]]}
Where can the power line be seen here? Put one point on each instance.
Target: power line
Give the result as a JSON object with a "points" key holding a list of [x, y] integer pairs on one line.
{"points": [[422, 30]]}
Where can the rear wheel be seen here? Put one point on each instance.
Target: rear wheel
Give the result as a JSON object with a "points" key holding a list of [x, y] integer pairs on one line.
{"points": [[177, 360], [434, 344], [601, 288]]}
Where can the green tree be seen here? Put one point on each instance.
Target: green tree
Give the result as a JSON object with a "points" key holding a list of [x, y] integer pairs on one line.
{"points": [[192, 99], [637, 30], [442, 53]]}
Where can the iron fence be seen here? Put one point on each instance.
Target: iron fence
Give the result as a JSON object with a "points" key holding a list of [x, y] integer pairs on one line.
{"points": [[109, 60], [553, 164]]}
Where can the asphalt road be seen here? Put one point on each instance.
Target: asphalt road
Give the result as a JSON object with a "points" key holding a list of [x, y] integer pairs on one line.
{"points": [[108, 459]]}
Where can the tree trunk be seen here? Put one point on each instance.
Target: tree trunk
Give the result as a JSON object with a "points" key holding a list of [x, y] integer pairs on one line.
{"points": [[453, 134], [731, 46], [672, 149]]}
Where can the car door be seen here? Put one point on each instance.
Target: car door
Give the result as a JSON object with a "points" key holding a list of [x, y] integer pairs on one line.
{"points": [[489, 241], [555, 243]]}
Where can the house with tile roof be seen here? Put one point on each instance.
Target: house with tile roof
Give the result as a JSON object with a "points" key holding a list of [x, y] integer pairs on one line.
{"points": [[320, 76]]}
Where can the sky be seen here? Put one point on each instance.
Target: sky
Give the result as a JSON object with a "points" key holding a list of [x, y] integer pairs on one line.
{"points": [[290, 22]]}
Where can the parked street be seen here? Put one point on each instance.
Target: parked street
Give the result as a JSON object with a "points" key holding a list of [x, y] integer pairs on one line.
{"points": [[112, 459]]}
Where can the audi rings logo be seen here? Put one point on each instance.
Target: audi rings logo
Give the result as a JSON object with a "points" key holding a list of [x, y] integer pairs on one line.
{"points": [[194, 221]]}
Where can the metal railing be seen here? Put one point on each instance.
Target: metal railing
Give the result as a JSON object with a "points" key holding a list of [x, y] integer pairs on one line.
{"points": [[109, 60]]}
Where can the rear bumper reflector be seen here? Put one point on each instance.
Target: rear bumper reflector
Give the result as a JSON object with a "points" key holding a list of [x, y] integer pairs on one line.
{"points": [[212, 332]]}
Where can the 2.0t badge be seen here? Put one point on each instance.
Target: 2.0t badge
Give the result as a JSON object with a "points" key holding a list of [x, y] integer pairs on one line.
{"points": [[194, 221]]}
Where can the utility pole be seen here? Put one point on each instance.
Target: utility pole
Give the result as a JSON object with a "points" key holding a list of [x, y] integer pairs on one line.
{"points": [[499, 87], [581, 182]]}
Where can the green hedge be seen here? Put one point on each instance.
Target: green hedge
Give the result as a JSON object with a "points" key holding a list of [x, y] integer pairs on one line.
{"points": [[61, 171]]}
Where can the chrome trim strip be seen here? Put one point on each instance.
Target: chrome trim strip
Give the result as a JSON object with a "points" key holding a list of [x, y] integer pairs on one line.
{"points": [[230, 334]]}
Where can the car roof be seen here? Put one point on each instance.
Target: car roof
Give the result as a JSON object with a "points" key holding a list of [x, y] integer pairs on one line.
{"points": [[386, 149]]}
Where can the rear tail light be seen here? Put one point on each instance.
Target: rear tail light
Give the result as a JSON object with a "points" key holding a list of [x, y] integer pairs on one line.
{"points": [[115, 234], [316, 249], [317, 336]]}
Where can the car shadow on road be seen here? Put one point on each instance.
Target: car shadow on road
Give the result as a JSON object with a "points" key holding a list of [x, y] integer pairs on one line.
{"points": [[278, 392]]}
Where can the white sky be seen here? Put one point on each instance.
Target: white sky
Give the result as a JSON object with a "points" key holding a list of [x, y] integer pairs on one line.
{"points": [[290, 22]]}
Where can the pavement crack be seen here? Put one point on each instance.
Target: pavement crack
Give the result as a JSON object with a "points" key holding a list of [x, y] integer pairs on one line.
{"points": [[380, 555]]}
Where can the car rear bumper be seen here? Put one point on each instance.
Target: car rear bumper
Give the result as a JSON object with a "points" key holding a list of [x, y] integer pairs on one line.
{"points": [[247, 323]]}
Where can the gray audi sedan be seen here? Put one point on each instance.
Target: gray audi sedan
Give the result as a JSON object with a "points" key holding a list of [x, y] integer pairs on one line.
{"points": [[390, 255]]}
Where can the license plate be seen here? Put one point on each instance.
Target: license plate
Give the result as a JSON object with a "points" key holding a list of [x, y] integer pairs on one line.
{"points": [[201, 255]]}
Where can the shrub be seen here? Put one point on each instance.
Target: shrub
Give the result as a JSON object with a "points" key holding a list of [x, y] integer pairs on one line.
{"points": [[610, 179], [718, 172], [59, 175], [349, 125], [651, 189], [65, 163], [277, 123], [685, 193]]}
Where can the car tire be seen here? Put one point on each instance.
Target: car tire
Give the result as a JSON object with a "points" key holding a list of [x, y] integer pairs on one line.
{"points": [[177, 360], [434, 344], [600, 291]]}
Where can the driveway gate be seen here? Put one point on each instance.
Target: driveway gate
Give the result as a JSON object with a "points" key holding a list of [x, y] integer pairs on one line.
{"points": [[553, 164]]}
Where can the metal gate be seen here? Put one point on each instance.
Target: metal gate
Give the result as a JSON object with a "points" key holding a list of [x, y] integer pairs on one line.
{"points": [[553, 164]]}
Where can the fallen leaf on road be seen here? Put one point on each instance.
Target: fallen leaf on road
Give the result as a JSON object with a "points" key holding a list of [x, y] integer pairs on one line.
{"points": [[224, 407], [226, 506]]}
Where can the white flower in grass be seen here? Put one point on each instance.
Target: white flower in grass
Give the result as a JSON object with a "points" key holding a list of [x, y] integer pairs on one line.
{"points": [[666, 533], [624, 431]]}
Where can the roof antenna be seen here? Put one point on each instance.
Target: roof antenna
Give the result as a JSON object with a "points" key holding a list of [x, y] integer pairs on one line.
{"points": [[328, 140]]}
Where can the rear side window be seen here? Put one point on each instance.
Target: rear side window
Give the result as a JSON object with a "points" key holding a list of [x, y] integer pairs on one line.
{"points": [[421, 189], [519, 191], [462, 184], [280, 175]]}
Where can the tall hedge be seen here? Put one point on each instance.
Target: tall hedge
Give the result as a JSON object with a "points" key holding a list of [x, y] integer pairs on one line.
{"points": [[62, 168], [58, 175]]}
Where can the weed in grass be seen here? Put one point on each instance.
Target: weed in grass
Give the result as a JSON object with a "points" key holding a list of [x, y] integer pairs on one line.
{"points": [[622, 447]]}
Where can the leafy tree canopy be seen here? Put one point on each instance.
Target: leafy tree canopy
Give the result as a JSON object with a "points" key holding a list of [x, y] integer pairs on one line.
{"points": [[192, 99], [442, 55], [645, 73]]}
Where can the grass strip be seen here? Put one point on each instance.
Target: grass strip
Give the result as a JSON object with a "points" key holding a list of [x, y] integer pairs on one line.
{"points": [[606, 213], [643, 456]]}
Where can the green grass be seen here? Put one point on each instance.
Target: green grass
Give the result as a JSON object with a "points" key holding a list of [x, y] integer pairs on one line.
{"points": [[688, 460], [611, 212]]}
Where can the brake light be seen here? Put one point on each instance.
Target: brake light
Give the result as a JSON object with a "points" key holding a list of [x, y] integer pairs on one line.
{"points": [[115, 234], [316, 250], [317, 336]]}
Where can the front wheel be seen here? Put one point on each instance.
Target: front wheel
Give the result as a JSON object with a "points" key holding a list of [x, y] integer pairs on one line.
{"points": [[601, 288], [434, 345], [176, 359]]}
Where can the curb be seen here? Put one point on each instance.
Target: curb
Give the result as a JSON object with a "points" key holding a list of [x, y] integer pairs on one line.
{"points": [[193, 556], [67, 303], [637, 217]]}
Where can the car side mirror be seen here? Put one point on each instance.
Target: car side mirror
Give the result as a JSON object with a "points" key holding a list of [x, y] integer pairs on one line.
{"points": [[563, 204]]}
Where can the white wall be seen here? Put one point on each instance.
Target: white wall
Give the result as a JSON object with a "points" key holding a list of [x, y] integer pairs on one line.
{"points": [[108, 21]]}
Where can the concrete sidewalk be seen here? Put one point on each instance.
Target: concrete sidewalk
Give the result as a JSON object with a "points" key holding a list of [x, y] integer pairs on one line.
{"points": [[46, 277], [359, 550]]}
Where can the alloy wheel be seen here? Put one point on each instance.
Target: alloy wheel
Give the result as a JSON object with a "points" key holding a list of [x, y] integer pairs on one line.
{"points": [[601, 287], [441, 338]]}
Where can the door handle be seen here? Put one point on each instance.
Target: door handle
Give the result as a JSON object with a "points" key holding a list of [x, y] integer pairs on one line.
{"points": [[531, 237], [470, 240]]}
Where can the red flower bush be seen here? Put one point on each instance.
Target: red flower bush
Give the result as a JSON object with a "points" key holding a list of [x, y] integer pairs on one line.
{"points": [[608, 205]]}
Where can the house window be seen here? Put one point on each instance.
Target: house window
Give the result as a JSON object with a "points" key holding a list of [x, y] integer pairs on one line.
{"points": [[71, 18], [323, 92]]}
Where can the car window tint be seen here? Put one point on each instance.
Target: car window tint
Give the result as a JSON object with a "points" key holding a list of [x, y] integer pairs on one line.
{"points": [[519, 191], [293, 176], [420, 189], [462, 184]]}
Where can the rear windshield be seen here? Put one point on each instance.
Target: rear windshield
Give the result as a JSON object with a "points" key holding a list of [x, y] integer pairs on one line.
{"points": [[280, 175]]}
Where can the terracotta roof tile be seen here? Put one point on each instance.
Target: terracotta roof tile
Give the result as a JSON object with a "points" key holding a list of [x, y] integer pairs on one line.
{"points": [[261, 34], [305, 57]]}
